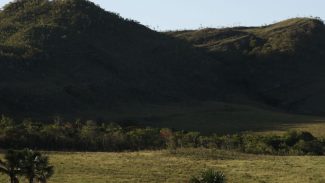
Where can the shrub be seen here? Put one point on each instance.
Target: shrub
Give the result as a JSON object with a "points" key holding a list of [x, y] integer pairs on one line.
{"points": [[209, 176], [309, 147], [294, 137]]}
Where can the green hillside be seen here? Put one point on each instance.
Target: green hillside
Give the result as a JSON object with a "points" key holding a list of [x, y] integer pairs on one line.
{"points": [[280, 65], [68, 57], [289, 36], [73, 59]]}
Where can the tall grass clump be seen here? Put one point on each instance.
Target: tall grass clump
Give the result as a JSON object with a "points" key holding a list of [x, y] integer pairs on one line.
{"points": [[209, 176]]}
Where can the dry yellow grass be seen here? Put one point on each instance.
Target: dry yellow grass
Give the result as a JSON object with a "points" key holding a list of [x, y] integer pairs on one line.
{"points": [[160, 166]]}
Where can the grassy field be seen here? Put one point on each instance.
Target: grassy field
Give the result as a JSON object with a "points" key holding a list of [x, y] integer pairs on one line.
{"points": [[316, 128], [160, 166]]}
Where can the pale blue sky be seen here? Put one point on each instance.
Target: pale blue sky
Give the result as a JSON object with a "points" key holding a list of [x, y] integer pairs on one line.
{"points": [[191, 14]]}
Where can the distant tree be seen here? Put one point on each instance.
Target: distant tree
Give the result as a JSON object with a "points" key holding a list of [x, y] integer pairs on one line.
{"points": [[89, 134], [169, 139], [6, 123]]}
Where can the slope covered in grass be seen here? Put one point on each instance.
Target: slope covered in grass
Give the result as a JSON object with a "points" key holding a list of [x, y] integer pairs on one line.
{"points": [[284, 37], [280, 65], [211, 117], [62, 57]]}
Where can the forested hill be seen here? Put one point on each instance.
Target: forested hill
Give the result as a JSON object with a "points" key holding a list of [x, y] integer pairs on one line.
{"points": [[281, 64], [72, 56]]}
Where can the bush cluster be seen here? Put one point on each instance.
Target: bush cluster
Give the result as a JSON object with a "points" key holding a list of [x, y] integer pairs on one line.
{"points": [[94, 136], [76, 136], [291, 143]]}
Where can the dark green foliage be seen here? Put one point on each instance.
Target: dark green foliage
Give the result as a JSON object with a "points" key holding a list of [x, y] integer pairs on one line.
{"points": [[31, 164], [35, 166], [78, 135], [293, 137], [209, 176], [93, 136], [294, 143], [12, 165], [147, 138], [314, 147]]}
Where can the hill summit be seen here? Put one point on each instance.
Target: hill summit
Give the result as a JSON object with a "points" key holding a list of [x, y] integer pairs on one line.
{"points": [[280, 65], [289, 36]]}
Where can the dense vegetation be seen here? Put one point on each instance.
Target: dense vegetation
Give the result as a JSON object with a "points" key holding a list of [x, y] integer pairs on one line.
{"points": [[94, 136]]}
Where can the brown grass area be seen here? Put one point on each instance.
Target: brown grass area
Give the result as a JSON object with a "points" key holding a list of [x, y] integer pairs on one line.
{"points": [[160, 166]]}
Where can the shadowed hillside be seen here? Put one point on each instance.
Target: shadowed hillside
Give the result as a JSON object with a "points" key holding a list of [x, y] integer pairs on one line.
{"points": [[67, 57], [280, 65]]}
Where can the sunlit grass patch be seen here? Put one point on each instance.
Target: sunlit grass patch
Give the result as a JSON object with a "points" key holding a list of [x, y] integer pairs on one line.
{"points": [[160, 166]]}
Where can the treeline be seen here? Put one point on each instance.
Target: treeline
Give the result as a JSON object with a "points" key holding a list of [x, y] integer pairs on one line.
{"points": [[291, 143], [94, 136], [76, 136]]}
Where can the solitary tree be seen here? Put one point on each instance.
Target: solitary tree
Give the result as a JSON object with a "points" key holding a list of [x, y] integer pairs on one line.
{"points": [[36, 166]]}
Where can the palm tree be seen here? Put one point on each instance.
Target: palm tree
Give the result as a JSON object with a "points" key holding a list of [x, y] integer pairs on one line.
{"points": [[11, 166], [5, 168], [36, 166], [43, 170]]}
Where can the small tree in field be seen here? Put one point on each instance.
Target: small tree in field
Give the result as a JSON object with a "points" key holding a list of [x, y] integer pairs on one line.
{"points": [[35, 166]]}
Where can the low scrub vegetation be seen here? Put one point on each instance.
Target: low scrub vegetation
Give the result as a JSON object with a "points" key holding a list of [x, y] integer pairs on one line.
{"points": [[209, 176], [93, 136]]}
